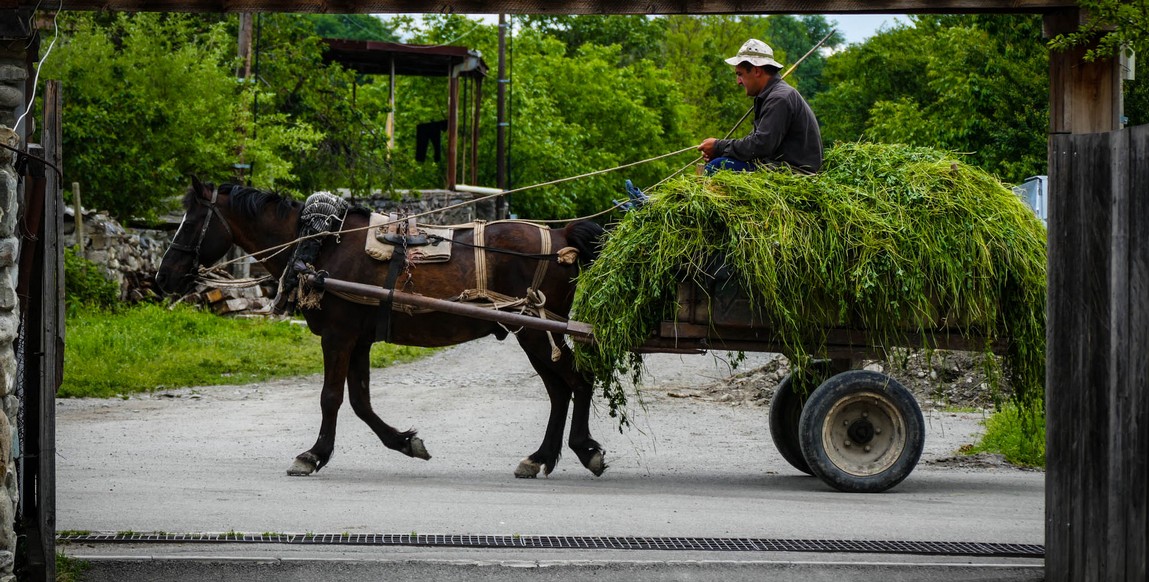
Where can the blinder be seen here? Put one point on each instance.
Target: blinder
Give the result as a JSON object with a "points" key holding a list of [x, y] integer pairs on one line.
{"points": [[213, 211]]}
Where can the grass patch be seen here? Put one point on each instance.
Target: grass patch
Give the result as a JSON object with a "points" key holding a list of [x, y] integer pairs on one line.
{"points": [[150, 347], [888, 239], [69, 569], [1015, 432]]}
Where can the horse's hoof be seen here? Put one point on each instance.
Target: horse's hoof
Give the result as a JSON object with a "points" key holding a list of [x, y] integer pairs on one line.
{"points": [[303, 466], [416, 449], [597, 463], [528, 469]]}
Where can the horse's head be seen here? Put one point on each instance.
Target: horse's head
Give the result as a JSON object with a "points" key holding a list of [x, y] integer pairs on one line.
{"points": [[203, 238]]}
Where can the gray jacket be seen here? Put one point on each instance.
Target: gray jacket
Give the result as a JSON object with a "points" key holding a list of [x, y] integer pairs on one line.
{"points": [[785, 131]]}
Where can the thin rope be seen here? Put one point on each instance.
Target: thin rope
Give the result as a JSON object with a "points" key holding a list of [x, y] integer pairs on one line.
{"points": [[281, 247]]}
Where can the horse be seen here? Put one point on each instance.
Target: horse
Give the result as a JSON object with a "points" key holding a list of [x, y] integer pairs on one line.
{"points": [[215, 219]]}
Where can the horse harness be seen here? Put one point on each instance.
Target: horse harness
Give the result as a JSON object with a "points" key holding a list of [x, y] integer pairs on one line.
{"points": [[400, 264], [213, 211]]}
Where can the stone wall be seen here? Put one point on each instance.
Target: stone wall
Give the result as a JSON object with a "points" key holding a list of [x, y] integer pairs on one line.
{"points": [[12, 79], [119, 250], [9, 325]]}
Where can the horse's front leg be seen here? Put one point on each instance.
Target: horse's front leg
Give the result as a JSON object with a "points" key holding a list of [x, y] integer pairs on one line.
{"points": [[336, 358], [561, 380], [359, 391]]}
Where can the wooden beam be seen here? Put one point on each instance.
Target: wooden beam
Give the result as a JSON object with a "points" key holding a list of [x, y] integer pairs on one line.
{"points": [[564, 6], [1084, 97]]}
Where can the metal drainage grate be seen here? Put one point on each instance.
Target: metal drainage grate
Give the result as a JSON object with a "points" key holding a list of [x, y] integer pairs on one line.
{"points": [[582, 542]]}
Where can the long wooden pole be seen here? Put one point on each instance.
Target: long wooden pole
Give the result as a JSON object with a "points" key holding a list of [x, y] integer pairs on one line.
{"points": [[573, 328]]}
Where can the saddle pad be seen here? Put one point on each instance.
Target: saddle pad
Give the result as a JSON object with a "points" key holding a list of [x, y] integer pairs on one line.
{"points": [[436, 251]]}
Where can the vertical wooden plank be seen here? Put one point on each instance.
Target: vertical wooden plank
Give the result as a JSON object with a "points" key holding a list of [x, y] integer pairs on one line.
{"points": [[452, 128], [1119, 333], [1059, 251], [1134, 403], [52, 368], [1078, 344]]}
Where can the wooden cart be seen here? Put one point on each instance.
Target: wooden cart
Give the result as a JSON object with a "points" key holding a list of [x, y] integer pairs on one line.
{"points": [[858, 430]]}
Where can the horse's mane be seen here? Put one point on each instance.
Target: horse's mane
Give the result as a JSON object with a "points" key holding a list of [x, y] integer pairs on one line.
{"points": [[247, 201]]}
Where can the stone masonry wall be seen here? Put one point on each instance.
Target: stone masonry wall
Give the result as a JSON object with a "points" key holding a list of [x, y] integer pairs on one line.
{"points": [[12, 78]]}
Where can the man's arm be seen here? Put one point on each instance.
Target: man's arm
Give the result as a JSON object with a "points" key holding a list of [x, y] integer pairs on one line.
{"points": [[762, 143]]}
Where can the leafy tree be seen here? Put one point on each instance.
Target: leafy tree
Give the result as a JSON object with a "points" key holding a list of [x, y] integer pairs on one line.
{"points": [[638, 37], [975, 84], [1114, 25], [150, 98], [596, 114], [353, 27]]}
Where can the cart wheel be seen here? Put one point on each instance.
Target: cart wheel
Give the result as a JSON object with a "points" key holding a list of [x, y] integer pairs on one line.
{"points": [[861, 432], [785, 414]]}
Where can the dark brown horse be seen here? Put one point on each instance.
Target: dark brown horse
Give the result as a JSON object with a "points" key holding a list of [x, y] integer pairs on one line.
{"points": [[254, 220]]}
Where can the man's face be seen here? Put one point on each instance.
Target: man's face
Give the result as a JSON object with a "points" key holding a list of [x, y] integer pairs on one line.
{"points": [[753, 79]]}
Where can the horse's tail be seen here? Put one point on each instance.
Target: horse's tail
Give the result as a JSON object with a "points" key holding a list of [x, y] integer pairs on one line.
{"points": [[586, 236]]}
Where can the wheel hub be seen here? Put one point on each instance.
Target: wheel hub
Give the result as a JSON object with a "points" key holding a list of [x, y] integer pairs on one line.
{"points": [[861, 431], [864, 433]]}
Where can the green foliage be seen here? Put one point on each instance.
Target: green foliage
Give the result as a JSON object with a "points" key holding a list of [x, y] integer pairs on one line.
{"points": [[152, 98], [975, 84], [86, 285], [888, 239], [638, 37], [1113, 25], [150, 347], [353, 27], [1017, 433]]}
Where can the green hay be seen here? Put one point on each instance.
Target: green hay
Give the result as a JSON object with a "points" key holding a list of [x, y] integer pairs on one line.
{"points": [[888, 238]]}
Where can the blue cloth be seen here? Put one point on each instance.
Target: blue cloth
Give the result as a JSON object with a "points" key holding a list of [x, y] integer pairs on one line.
{"points": [[725, 163]]}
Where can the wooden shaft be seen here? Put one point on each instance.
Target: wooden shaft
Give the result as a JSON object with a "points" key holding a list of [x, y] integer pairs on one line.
{"points": [[573, 328]]}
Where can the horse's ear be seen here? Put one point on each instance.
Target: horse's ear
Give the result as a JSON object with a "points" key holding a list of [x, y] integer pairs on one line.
{"points": [[197, 186]]}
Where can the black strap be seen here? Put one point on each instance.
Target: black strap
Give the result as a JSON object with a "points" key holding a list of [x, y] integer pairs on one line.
{"points": [[383, 317]]}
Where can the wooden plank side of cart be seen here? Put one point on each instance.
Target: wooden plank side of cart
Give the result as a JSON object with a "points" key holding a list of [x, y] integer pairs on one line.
{"points": [[716, 321]]}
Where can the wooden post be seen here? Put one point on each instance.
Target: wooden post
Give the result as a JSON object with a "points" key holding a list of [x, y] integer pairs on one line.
{"points": [[1084, 97], [78, 210], [391, 114], [244, 46], [501, 121], [452, 127], [475, 132]]}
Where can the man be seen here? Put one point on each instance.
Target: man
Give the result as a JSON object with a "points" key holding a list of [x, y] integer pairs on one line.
{"points": [[785, 129]]}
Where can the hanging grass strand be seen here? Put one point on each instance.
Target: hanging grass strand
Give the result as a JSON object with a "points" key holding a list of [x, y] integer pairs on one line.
{"points": [[889, 239]]}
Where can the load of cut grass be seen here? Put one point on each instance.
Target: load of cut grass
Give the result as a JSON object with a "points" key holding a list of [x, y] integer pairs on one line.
{"points": [[889, 239]]}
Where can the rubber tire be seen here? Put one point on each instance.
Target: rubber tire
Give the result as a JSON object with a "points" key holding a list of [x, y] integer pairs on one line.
{"points": [[785, 416], [849, 388]]}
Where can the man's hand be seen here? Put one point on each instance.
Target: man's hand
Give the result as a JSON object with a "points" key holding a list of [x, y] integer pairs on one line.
{"points": [[707, 148]]}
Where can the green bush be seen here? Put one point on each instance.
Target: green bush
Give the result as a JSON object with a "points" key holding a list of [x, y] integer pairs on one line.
{"points": [[1016, 433], [85, 284]]}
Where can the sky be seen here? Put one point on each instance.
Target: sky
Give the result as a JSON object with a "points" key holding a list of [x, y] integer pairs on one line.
{"points": [[859, 27]]}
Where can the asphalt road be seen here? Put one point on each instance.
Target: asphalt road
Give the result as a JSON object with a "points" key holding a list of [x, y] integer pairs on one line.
{"points": [[215, 460]]}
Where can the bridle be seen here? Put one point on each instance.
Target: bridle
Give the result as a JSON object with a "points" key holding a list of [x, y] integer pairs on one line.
{"points": [[213, 211]]}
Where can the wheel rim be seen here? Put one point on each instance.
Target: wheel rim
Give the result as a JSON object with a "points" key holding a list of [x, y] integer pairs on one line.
{"points": [[864, 434]]}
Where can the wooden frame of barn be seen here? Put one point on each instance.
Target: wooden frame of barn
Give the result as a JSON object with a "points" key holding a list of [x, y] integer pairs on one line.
{"points": [[1097, 352]]}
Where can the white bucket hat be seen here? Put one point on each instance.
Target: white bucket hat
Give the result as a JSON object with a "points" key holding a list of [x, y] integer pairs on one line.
{"points": [[756, 53]]}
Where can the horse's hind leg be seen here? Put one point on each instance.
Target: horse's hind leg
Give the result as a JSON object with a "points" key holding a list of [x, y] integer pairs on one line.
{"points": [[590, 453], [336, 358], [358, 388]]}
